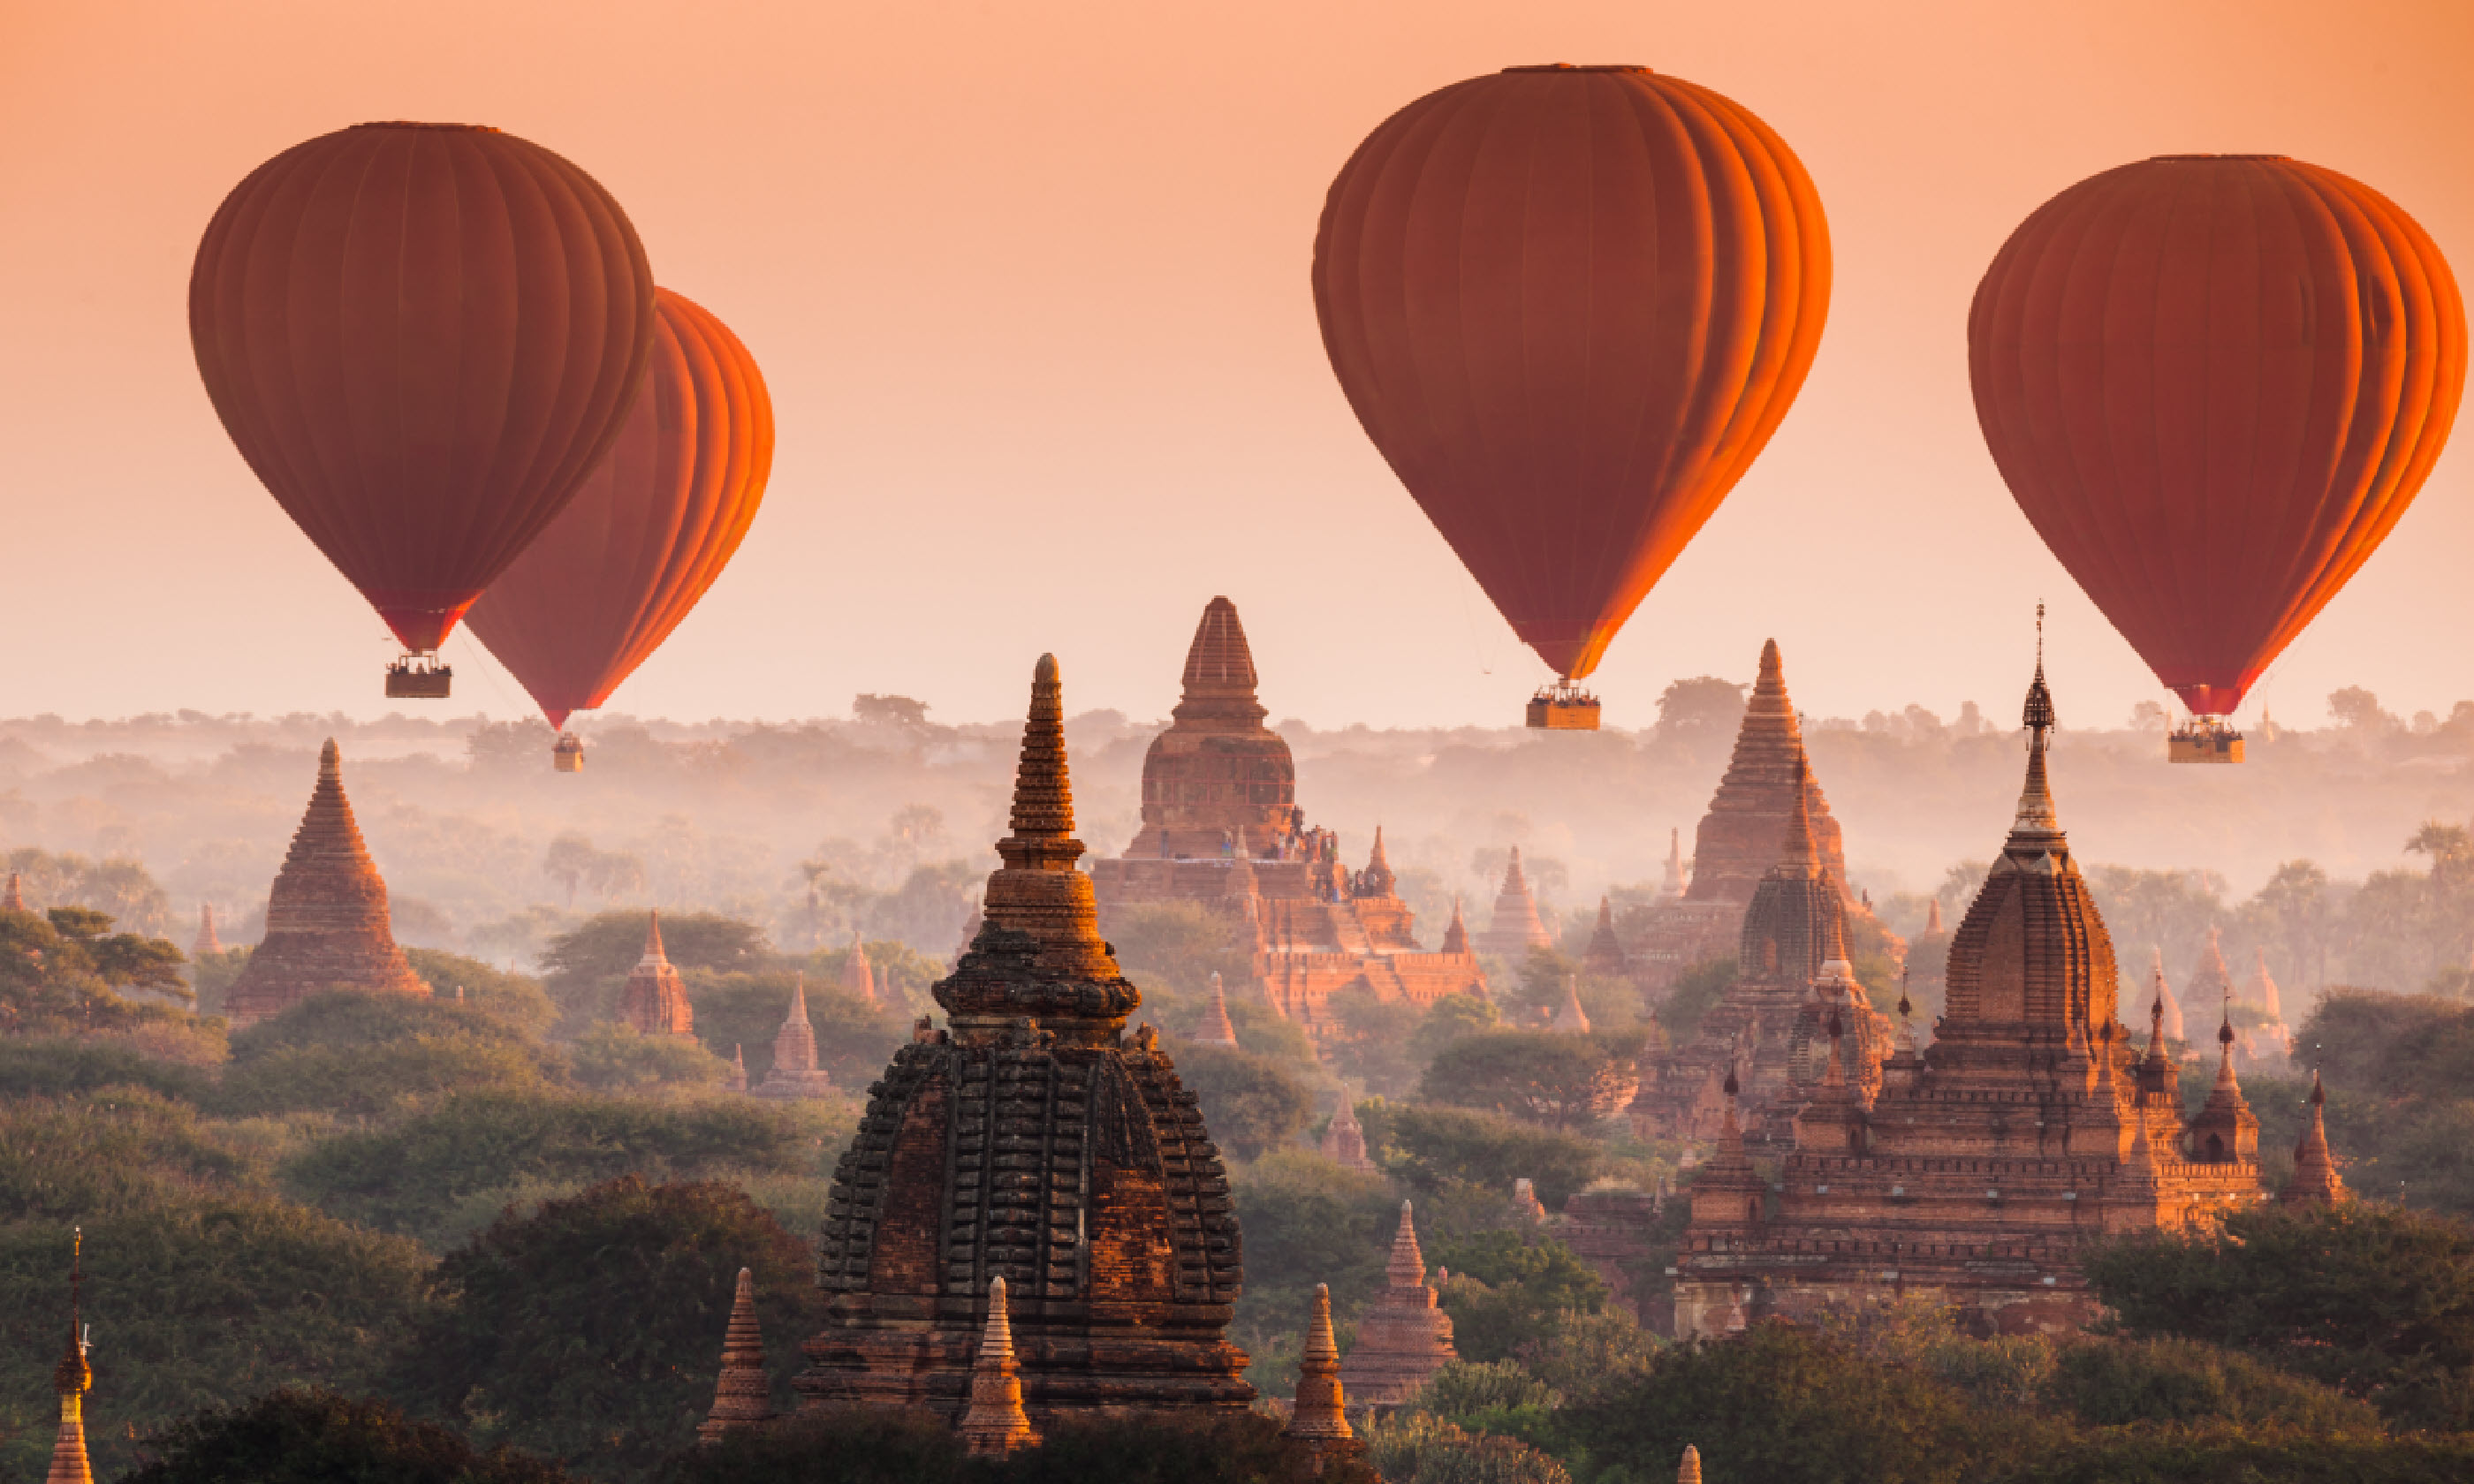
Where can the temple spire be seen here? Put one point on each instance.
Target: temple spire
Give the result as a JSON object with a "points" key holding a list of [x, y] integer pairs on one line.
{"points": [[1407, 1266], [1689, 1472], [655, 955], [744, 1396], [1320, 1417], [2037, 823], [1571, 1017], [1456, 936], [1216, 1029], [13, 899], [1799, 853], [2315, 1182], [1220, 679], [72, 1380], [995, 1422]]}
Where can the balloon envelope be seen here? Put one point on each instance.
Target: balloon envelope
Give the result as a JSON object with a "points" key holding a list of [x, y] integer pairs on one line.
{"points": [[1569, 305], [596, 592], [2214, 383], [422, 337]]}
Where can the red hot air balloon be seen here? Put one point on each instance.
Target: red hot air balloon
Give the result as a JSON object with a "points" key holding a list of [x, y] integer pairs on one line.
{"points": [[422, 337], [597, 593], [1569, 305], [2214, 384]]}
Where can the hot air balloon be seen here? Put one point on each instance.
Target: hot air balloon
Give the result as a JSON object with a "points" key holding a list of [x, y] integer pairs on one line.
{"points": [[1569, 305], [422, 337], [2214, 383], [597, 593]]}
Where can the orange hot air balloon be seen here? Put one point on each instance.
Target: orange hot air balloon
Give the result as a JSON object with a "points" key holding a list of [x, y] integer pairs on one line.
{"points": [[1569, 305], [422, 337], [599, 592], [2214, 383]]}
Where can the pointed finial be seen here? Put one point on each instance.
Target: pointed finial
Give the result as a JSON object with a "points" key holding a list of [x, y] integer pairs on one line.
{"points": [[330, 763], [995, 1423], [1689, 1472], [1800, 849], [1319, 1416]]}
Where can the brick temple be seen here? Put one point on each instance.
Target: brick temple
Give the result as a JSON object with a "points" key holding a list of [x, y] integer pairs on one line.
{"points": [[327, 921], [654, 1001], [1738, 840], [1981, 1167], [1403, 1337], [1032, 1141], [1768, 1031], [1222, 827]]}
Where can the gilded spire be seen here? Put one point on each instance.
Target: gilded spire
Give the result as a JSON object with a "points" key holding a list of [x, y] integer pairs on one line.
{"points": [[1320, 1415], [995, 1422], [1407, 1267], [71, 1380], [2037, 825], [1689, 1472], [744, 1396], [2315, 1182]]}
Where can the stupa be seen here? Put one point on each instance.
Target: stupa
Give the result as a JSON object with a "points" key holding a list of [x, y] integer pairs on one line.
{"points": [[326, 925], [743, 1394], [655, 999], [1343, 1138], [1216, 1029], [1221, 829], [1319, 1417], [1739, 839], [858, 975], [1032, 1140], [1456, 937], [1402, 1339], [71, 1379], [1671, 880], [2211, 979], [736, 1081], [1791, 973], [2267, 1046], [2315, 1180], [205, 943], [1987, 1162], [994, 1423], [1569, 1015], [794, 1073], [13, 899], [1514, 930], [1605, 954]]}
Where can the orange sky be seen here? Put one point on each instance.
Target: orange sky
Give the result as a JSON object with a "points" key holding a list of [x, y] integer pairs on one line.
{"points": [[1029, 283]]}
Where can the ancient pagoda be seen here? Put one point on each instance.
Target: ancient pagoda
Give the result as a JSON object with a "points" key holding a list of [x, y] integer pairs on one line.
{"points": [[1515, 931], [1739, 838], [1216, 1029], [1985, 1163], [14, 898], [1402, 1339], [206, 942], [1032, 1140], [994, 1423], [794, 1073], [327, 923], [1319, 1416], [2316, 1181], [1604, 957], [743, 1394], [858, 975], [1221, 829], [71, 1379], [1791, 974], [1343, 1138], [655, 999], [2211, 979]]}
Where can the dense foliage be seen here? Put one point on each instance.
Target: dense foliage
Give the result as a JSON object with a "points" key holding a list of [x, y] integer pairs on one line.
{"points": [[875, 1448], [313, 1436]]}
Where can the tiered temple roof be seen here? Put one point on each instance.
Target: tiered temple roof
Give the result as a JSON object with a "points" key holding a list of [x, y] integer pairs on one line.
{"points": [[1221, 829], [655, 999], [794, 1073], [1987, 1162], [1605, 954], [1320, 1415], [1402, 1339], [743, 1394], [1032, 1141], [1515, 929], [1218, 777], [1216, 1029], [327, 923]]}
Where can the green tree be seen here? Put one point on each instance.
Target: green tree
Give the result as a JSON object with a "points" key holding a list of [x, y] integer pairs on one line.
{"points": [[1553, 1078], [1250, 1104], [1786, 1405], [590, 1330], [66, 970], [1518, 1285], [584, 967], [1306, 1221], [1181, 944], [1438, 1149], [2375, 1300], [745, 1011], [310, 1436], [2115, 1383], [517, 999], [356, 1052], [1450, 1019], [615, 1058], [425, 1172], [860, 1445], [1694, 995], [1374, 1046]]}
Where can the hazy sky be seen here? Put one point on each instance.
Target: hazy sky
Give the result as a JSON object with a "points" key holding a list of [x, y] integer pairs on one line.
{"points": [[1029, 283]]}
